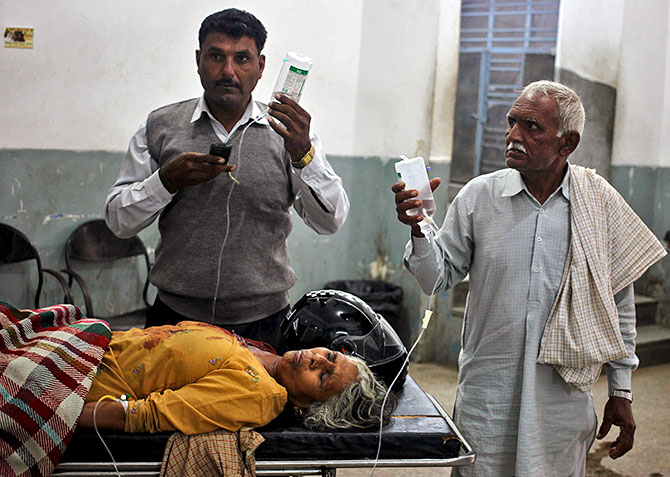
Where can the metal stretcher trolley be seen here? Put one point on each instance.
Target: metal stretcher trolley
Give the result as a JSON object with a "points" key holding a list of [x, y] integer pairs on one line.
{"points": [[420, 434]]}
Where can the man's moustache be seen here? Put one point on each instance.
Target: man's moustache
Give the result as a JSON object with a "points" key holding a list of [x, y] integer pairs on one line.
{"points": [[227, 84], [516, 146]]}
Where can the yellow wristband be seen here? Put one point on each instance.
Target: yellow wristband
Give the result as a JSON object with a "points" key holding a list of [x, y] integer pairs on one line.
{"points": [[306, 159]]}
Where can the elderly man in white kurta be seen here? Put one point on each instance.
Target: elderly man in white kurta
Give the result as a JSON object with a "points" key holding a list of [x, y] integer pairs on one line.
{"points": [[551, 251]]}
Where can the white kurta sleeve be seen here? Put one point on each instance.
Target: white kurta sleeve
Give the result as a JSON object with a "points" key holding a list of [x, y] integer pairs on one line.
{"points": [[440, 263], [619, 372]]}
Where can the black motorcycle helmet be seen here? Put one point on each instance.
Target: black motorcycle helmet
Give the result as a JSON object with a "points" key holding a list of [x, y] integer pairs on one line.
{"points": [[343, 322]]}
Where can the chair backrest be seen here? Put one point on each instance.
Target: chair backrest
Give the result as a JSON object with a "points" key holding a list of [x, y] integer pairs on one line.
{"points": [[16, 247], [93, 242]]}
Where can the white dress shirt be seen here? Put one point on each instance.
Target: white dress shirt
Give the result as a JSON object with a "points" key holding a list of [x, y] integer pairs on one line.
{"points": [[138, 195]]}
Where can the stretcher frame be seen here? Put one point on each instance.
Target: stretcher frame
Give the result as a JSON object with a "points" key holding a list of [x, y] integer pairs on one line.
{"points": [[326, 467]]}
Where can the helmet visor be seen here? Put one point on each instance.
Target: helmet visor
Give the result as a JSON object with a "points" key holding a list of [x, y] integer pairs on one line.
{"points": [[379, 345]]}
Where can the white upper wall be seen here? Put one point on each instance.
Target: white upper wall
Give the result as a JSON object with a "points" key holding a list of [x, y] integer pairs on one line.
{"points": [[97, 69], [624, 44], [446, 80], [589, 33], [394, 104], [642, 118], [665, 126]]}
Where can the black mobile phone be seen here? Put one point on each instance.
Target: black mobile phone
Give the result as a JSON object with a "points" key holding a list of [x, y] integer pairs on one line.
{"points": [[221, 150]]}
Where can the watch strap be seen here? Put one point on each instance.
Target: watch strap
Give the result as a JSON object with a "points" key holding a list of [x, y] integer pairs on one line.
{"points": [[620, 393], [306, 159]]}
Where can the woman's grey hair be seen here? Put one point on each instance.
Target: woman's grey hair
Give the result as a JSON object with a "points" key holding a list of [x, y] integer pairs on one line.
{"points": [[571, 116], [359, 405]]}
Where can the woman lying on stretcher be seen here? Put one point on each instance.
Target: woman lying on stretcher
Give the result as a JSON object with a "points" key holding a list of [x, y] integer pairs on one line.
{"points": [[195, 378]]}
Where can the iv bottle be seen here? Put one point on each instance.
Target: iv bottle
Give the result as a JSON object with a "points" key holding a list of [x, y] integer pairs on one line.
{"points": [[413, 173], [292, 75]]}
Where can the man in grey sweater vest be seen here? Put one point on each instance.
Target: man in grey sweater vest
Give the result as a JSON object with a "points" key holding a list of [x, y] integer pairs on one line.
{"points": [[222, 256]]}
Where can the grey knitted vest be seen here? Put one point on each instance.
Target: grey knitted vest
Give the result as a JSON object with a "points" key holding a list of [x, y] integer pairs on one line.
{"points": [[255, 273]]}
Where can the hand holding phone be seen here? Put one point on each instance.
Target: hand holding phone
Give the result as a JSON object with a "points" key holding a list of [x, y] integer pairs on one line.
{"points": [[220, 150]]}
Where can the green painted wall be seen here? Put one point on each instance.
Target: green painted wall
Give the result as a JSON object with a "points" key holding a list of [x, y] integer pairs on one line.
{"points": [[647, 190], [370, 245], [46, 194]]}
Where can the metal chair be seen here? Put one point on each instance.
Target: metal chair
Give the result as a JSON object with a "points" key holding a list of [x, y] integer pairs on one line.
{"points": [[93, 242], [16, 247]]}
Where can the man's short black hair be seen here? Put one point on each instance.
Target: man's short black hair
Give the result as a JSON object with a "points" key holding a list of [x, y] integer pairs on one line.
{"points": [[236, 24]]}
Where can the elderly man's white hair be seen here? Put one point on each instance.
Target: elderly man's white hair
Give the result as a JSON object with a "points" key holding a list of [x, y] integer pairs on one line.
{"points": [[571, 116]]}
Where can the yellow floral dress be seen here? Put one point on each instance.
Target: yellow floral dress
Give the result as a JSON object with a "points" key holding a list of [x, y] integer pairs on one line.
{"points": [[192, 378]]}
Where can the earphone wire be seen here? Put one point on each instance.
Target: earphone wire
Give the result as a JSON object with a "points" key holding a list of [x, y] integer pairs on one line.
{"points": [[218, 280], [225, 236]]}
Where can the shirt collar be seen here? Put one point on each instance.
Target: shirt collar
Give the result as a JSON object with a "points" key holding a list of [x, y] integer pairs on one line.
{"points": [[565, 185], [252, 111], [513, 184]]}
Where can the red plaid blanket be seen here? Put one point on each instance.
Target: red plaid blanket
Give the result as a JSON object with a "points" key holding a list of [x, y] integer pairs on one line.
{"points": [[48, 359]]}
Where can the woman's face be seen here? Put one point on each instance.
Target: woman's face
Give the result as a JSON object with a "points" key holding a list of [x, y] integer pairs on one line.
{"points": [[315, 374]]}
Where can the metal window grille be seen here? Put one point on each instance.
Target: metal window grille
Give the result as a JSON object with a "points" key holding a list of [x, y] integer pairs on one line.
{"points": [[504, 32]]}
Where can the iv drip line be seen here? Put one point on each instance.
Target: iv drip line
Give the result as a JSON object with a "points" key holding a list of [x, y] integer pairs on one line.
{"points": [[424, 324]]}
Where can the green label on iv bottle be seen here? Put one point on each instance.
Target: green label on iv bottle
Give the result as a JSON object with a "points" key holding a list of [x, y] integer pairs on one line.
{"points": [[294, 81], [298, 71], [293, 75]]}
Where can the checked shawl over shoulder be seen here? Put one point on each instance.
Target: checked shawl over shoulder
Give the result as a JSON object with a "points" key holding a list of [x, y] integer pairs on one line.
{"points": [[610, 248], [48, 359]]}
